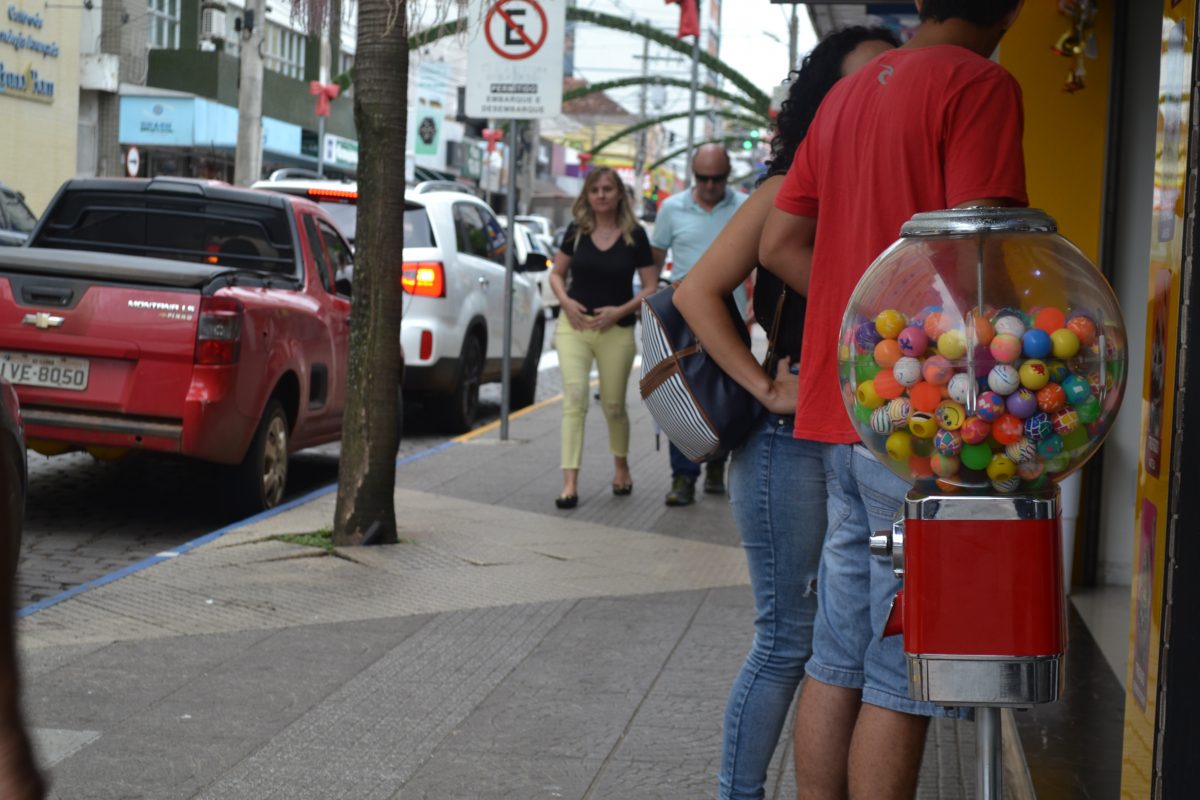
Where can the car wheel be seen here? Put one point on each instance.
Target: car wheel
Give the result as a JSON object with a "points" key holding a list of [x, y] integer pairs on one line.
{"points": [[457, 412], [259, 481], [524, 388]]}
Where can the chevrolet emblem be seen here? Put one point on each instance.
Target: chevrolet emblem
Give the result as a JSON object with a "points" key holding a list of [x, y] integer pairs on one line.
{"points": [[41, 320]]}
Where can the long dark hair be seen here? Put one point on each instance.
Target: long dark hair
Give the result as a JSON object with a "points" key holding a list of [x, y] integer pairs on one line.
{"points": [[819, 71]]}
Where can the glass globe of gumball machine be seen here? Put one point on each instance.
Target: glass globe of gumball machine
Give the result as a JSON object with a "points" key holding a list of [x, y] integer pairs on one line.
{"points": [[982, 358]]}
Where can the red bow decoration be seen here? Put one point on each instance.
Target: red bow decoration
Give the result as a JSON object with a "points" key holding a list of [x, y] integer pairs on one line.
{"points": [[324, 92], [492, 135], [689, 17]]}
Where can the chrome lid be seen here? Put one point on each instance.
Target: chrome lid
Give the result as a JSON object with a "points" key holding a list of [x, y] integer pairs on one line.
{"points": [[981, 219]]}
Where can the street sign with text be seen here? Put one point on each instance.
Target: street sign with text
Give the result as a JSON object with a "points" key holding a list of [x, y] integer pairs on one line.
{"points": [[515, 59]]}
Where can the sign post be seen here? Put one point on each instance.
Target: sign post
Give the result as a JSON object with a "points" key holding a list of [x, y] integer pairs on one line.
{"points": [[515, 72]]}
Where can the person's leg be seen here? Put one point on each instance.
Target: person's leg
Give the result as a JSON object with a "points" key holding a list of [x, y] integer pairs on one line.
{"points": [[825, 723], [777, 494], [574, 364], [683, 478], [714, 476], [885, 753], [615, 350]]}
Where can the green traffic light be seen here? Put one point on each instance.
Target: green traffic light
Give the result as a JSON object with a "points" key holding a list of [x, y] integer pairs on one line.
{"points": [[747, 144]]}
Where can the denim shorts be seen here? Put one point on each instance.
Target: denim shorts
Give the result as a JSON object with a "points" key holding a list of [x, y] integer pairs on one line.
{"points": [[855, 589]]}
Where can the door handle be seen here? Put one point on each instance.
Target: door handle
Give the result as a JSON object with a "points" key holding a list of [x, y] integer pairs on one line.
{"points": [[484, 282]]}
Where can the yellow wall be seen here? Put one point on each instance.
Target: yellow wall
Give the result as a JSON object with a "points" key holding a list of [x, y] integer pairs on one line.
{"points": [[37, 138], [1064, 133]]}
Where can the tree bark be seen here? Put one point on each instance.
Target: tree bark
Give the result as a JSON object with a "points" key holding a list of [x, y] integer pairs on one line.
{"points": [[370, 436]]}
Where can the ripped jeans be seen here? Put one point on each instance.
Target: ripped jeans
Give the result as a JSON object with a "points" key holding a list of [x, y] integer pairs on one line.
{"points": [[777, 491]]}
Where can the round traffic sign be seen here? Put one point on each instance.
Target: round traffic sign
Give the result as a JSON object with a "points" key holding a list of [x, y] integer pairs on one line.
{"points": [[515, 29], [133, 161]]}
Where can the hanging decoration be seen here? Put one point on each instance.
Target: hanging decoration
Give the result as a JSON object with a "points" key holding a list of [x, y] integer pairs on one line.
{"points": [[324, 92], [1078, 41]]}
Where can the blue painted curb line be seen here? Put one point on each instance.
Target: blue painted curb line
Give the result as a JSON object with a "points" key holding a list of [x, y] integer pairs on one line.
{"points": [[208, 537]]}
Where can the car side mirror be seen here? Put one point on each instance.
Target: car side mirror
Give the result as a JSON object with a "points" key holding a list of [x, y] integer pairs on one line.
{"points": [[343, 286], [534, 262]]}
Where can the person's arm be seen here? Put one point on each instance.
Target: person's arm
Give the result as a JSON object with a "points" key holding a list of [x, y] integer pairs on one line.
{"points": [[644, 256], [786, 247], [700, 299], [558, 284], [660, 258]]}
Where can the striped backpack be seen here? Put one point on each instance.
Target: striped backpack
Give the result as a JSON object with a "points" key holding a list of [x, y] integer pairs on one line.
{"points": [[703, 411]]}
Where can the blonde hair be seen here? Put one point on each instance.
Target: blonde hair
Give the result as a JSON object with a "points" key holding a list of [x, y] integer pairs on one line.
{"points": [[585, 218]]}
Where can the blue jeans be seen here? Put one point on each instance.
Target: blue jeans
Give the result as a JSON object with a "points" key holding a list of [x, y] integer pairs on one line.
{"points": [[777, 493], [682, 466]]}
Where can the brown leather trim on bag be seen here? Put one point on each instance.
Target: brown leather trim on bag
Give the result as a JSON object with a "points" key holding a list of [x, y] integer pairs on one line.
{"points": [[663, 370]]}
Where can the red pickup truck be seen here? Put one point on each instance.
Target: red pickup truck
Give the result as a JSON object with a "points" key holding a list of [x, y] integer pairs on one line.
{"points": [[179, 316]]}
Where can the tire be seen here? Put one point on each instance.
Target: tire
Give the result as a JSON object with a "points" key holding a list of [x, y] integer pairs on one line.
{"points": [[456, 412], [524, 387], [260, 480]]}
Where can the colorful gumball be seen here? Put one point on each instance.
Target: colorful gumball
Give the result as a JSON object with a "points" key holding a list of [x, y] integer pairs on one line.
{"points": [[952, 345], [886, 385], [947, 485], [1088, 410], [989, 406], [959, 388], [933, 325], [898, 411], [937, 370], [1005, 347], [865, 367], [1007, 487], [1050, 446], [1064, 343], [1057, 370], [976, 456], [1030, 470], [944, 465], [899, 445], [1084, 328], [1022, 403], [1008, 429], [907, 371], [922, 424], [1051, 398], [1001, 468], [866, 337], [1075, 440], [867, 396], [1077, 389], [889, 323], [1021, 451], [947, 443], [1049, 319], [1064, 421], [881, 423], [1009, 324], [920, 467], [887, 353], [950, 415], [974, 430], [925, 396], [1038, 427], [1003, 379], [1034, 374], [913, 341], [984, 333], [1058, 463], [1035, 343], [862, 413]]}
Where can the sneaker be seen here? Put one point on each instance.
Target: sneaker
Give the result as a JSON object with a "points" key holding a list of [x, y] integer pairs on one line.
{"points": [[683, 492], [714, 478]]}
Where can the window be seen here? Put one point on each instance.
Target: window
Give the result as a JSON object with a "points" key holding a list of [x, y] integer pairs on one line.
{"points": [[163, 21], [340, 258], [472, 238], [497, 238], [19, 217], [318, 252], [417, 231], [283, 51]]}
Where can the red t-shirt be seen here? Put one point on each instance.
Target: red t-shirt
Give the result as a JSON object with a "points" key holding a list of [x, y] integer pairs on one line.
{"points": [[914, 130]]}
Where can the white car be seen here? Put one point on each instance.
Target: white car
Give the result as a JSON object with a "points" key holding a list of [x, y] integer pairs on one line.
{"points": [[452, 326], [531, 246]]}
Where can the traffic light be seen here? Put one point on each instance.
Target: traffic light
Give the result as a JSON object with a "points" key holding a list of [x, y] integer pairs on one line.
{"points": [[747, 144]]}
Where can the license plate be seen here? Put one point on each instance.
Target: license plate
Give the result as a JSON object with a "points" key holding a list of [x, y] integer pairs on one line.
{"points": [[54, 372]]}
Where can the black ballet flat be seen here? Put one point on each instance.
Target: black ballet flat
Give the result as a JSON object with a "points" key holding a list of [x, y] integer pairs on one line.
{"points": [[622, 489], [566, 501]]}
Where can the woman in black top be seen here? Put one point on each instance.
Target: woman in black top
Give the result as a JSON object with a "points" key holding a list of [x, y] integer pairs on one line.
{"points": [[593, 280], [776, 483]]}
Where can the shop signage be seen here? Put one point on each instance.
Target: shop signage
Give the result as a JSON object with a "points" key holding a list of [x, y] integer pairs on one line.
{"points": [[515, 59], [18, 76], [429, 128], [340, 151]]}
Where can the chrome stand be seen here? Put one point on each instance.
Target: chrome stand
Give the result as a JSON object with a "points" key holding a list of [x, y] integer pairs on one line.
{"points": [[987, 750]]}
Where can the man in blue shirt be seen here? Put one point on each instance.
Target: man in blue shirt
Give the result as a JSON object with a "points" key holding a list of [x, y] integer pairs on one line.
{"points": [[687, 223]]}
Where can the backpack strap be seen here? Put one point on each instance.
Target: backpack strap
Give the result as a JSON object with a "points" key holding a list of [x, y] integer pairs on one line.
{"points": [[664, 369]]}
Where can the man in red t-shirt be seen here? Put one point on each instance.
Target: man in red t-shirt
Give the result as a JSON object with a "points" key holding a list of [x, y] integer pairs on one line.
{"points": [[931, 125]]}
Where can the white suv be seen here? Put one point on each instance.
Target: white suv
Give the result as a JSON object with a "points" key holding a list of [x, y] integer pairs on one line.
{"points": [[452, 326]]}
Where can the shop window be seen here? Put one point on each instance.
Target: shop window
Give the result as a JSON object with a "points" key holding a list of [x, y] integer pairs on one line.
{"points": [[283, 51], [163, 19]]}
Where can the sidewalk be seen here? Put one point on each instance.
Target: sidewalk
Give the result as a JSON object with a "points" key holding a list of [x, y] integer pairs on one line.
{"points": [[503, 650]]}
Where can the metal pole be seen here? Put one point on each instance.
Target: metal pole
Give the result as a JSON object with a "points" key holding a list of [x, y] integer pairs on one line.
{"points": [[987, 750], [793, 39], [691, 140], [247, 160], [639, 160], [509, 266], [321, 146]]}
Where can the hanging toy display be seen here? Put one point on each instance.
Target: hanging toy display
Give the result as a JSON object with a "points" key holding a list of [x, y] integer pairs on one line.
{"points": [[1078, 41]]}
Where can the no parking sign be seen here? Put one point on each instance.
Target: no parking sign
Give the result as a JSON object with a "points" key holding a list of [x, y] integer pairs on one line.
{"points": [[515, 68]]}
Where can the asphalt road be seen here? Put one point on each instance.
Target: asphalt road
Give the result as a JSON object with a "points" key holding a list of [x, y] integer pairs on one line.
{"points": [[85, 518]]}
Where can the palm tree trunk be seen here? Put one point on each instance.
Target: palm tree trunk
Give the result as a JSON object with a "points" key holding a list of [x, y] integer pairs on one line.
{"points": [[367, 472]]}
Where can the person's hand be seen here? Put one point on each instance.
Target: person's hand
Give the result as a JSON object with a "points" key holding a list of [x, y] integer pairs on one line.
{"points": [[781, 398], [606, 317], [576, 314], [19, 778]]}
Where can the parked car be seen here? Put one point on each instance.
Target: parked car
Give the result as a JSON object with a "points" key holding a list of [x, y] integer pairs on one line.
{"points": [[16, 220], [13, 473], [339, 199], [540, 225], [179, 316], [530, 247], [452, 326]]}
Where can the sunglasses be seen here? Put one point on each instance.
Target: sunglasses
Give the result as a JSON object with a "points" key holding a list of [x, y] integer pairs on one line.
{"points": [[710, 178]]}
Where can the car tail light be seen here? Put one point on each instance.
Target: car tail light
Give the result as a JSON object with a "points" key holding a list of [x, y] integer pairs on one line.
{"points": [[426, 345], [219, 332], [333, 194], [424, 278]]}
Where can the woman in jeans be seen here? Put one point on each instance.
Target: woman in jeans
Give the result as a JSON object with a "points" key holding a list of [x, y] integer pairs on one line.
{"points": [[776, 483], [600, 252]]}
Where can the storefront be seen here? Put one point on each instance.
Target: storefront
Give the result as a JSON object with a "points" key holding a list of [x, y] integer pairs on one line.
{"points": [[39, 89]]}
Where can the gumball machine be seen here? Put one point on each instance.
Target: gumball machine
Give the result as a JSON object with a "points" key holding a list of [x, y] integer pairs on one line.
{"points": [[982, 358]]}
